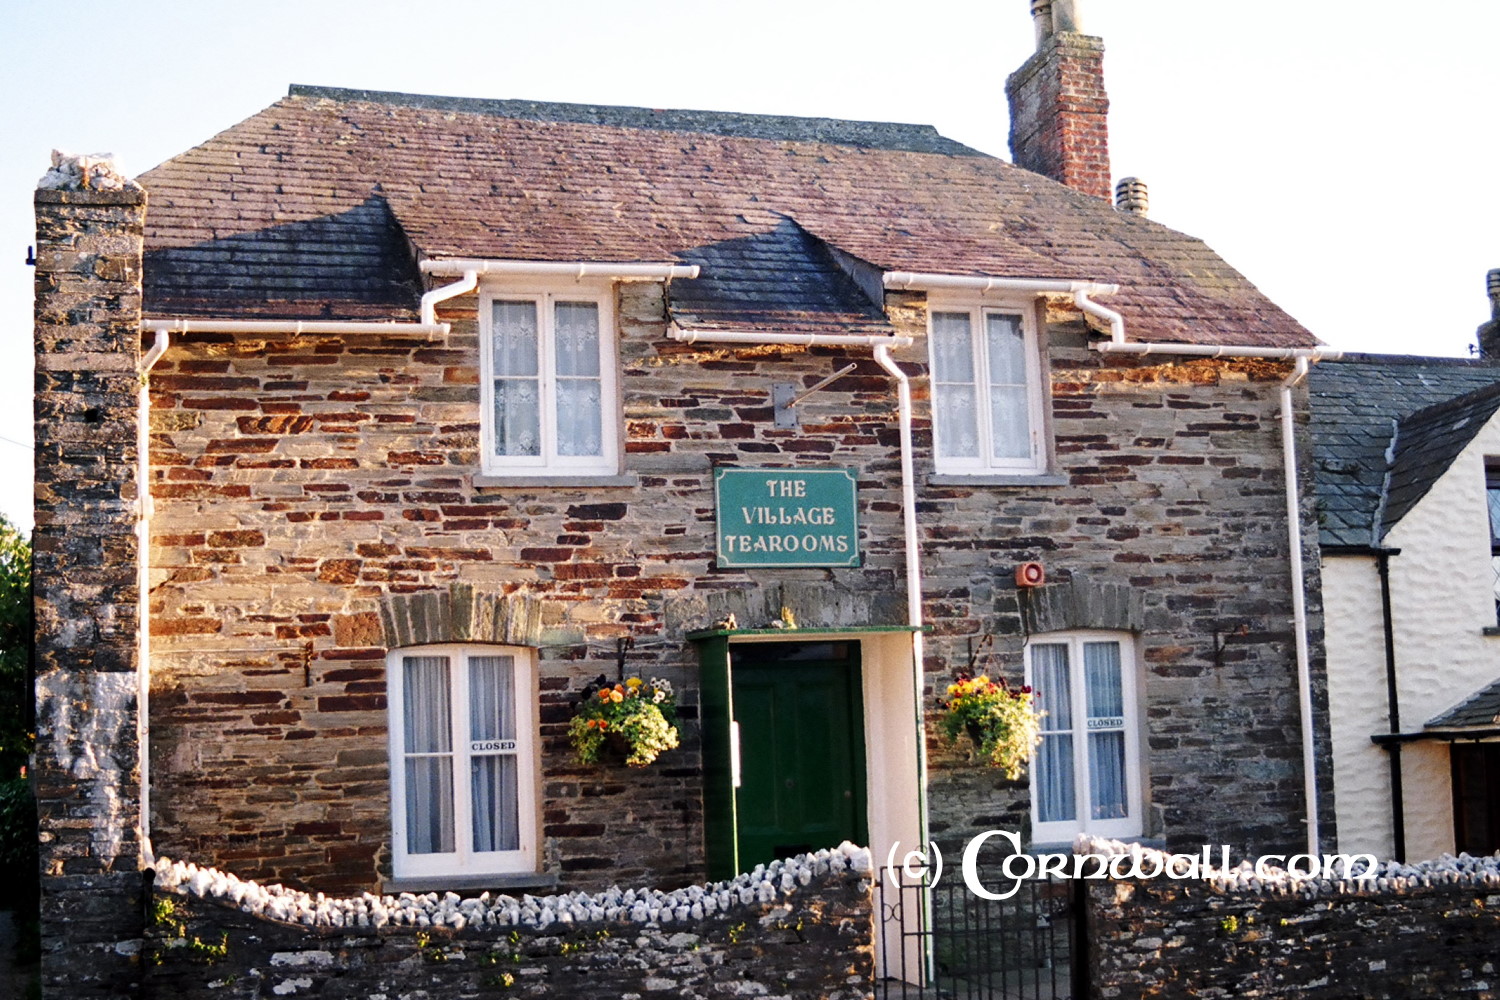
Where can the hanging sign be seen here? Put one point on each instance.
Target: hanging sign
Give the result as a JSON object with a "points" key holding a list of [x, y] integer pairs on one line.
{"points": [[786, 517]]}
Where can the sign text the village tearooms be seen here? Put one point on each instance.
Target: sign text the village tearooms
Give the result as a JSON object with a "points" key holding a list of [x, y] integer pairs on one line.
{"points": [[786, 517]]}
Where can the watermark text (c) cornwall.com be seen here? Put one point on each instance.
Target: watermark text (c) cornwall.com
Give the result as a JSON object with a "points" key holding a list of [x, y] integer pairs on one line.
{"points": [[1017, 867]]}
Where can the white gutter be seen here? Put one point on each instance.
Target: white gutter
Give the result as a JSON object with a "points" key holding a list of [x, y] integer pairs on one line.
{"points": [[876, 340], [563, 269], [1299, 602], [921, 281], [143, 585], [292, 326]]}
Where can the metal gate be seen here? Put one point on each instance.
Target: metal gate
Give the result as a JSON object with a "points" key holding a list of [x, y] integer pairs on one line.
{"points": [[944, 942]]}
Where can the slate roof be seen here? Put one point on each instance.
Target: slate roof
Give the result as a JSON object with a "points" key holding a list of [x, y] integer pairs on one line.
{"points": [[1480, 709], [1427, 442], [318, 206], [1356, 403]]}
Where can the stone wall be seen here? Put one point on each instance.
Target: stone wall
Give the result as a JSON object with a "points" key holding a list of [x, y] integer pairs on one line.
{"points": [[800, 929], [304, 484], [1172, 525], [88, 264], [1426, 931]]}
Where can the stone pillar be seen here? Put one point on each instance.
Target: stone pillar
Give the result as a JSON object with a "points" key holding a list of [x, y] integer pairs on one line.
{"points": [[1059, 113], [90, 224]]}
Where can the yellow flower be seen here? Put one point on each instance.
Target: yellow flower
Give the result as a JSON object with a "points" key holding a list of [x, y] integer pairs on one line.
{"points": [[634, 683], [616, 696]]}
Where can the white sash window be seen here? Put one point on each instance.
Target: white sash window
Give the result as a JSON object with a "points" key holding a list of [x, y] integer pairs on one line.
{"points": [[986, 390], [548, 387], [1086, 774], [463, 760]]}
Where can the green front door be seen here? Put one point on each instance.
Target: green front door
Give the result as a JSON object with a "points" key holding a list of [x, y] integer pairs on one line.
{"points": [[801, 748]]}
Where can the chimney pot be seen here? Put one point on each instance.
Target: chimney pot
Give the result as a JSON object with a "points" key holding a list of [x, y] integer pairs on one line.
{"points": [[1492, 286], [1132, 197], [1066, 16], [1041, 20]]}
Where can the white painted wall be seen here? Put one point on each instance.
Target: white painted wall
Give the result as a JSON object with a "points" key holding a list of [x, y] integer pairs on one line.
{"points": [[1355, 639], [1442, 599]]}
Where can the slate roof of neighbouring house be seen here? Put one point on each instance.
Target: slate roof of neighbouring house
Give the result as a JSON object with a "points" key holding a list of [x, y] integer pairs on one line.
{"points": [[1427, 442], [1480, 709], [320, 205], [1357, 403]]}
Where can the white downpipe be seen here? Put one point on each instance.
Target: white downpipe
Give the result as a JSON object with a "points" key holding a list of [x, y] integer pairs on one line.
{"points": [[1299, 603], [430, 299], [292, 326], [913, 568], [562, 269], [143, 585], [785, 339]]}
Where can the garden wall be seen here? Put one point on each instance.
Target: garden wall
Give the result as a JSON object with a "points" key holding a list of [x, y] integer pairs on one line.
{"points": [[1414, 932], [800, 928]]}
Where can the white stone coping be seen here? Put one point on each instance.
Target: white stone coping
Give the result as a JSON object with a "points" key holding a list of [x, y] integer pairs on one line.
{"points": [[766, 884]]}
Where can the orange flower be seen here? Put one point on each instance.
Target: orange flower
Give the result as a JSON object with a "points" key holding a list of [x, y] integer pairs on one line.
{"points": [[604, 694], [616, 696]]}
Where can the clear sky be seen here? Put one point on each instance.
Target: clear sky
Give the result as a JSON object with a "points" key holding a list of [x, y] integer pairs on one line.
{"points": [[1340, 153]]}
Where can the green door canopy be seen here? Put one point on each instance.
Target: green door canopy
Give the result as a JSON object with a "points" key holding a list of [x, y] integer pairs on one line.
{"points": [[786, 517]]}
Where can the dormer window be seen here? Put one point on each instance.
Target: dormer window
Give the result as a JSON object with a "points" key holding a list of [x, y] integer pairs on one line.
{"points": [[550, 404], [986, 390]]}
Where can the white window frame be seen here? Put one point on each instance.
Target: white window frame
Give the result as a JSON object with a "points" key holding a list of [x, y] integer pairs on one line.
{"points": [[464, 860], [549, 462], [1129, 825], [985, 463]]}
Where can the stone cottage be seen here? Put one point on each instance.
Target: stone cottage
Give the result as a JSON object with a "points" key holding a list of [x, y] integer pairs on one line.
{"points": [[373, 430]]}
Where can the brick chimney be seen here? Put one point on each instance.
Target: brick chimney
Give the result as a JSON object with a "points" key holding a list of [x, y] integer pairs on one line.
{"points": [[89, 225], [1058, 108]]}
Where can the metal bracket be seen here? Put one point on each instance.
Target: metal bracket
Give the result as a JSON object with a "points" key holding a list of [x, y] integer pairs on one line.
{"points": [[784, 396]]}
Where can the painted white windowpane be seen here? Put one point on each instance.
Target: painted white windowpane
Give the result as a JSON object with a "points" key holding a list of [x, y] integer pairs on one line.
{"points": [[429, 805], [1107, 774], [492, 698], [1053, 686], [952, 348], [494, 785], [1006, 343], [1106, 692], [957, 429], [518, 417], [1054, 780], [1010, 421], [1494, 503], [579, 417], [515, 338], [577, 338], [428, 739], [425, 703], [1054, 789]]}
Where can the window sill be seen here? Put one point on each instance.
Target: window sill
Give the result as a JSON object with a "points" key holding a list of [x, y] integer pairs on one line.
{"points": [[471, 883], [1029, 479], [1066, 846], [563, 482]]}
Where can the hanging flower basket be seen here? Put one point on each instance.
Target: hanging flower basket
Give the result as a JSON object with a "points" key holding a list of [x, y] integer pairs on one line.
{"points": [[999, 720], [637, 719]]}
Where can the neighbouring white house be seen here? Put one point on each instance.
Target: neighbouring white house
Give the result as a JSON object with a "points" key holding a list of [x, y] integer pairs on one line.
{"points": [[1406, 454]]}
